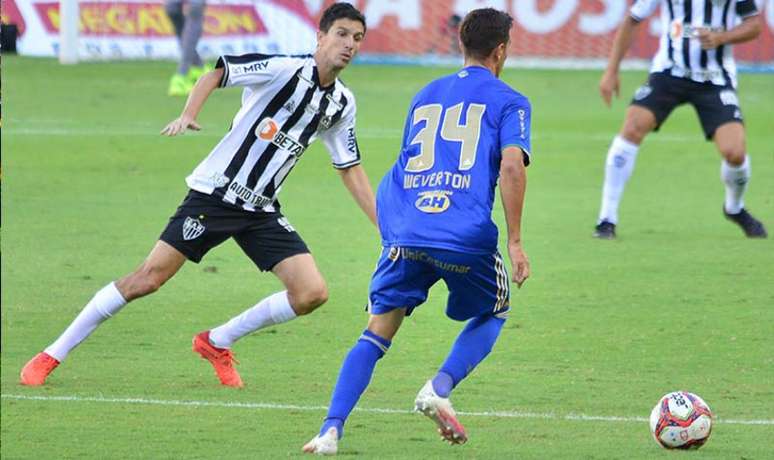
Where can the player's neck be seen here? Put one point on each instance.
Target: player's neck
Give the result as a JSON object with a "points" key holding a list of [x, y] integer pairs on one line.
{"points": [[490, 66], [325, 72]]}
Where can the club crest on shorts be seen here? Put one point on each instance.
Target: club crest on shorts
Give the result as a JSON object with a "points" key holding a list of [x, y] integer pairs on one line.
{"points": [[192, 228], [642, 92]]}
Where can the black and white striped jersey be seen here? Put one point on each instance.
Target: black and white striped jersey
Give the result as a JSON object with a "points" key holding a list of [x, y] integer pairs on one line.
{"points": [[284, 109], [680, 51]]}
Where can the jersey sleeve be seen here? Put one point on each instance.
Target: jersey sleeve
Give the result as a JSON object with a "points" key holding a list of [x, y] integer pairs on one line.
{"points": [[249, 69], [340, 139], [642, 9], [515, 128], [746, 8]]}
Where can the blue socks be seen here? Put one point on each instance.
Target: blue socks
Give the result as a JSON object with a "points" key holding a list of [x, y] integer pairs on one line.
{"points": [[353, 379], [471, 347]]}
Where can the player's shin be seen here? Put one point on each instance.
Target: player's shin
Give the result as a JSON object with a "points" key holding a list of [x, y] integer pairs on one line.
{"points": [[272, 310], [353, 379], [105, 303], [735, 178], [471, 347], [618, 168]]}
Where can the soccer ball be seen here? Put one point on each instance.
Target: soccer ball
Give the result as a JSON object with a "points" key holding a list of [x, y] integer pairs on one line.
{"points": [[681, 420]]}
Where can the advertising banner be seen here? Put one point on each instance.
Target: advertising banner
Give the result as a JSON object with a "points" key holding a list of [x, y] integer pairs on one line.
{"points": [[548, 29]]}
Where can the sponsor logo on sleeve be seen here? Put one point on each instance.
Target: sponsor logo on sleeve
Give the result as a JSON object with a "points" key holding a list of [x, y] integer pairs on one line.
{"points": [[523, 123], [351, 140], [242, 69]]}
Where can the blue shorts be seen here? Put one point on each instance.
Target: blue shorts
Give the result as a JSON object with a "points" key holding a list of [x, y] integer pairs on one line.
{"points": [[478, 284]]}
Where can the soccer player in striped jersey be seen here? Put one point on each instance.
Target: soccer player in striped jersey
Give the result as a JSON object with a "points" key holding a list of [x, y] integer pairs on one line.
{"points": [[287, 102], [694, 64], [464, 133]]}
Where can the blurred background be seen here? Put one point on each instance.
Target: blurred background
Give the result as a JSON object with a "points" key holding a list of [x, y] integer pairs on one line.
{"points": [[547, 33]]}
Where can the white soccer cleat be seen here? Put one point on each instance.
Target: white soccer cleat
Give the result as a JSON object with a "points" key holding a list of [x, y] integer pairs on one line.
{"points": [[327, 444], [440, 411]]}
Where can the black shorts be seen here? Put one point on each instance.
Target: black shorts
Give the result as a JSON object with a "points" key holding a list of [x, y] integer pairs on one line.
{"points": [[203, 222], [715, 105]]}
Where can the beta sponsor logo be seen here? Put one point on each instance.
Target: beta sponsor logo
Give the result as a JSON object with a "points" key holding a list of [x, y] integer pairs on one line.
{"points": [[145, 19], [268, 130], [434, 201]]}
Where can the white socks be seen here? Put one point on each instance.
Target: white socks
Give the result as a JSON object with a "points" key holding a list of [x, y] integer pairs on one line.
{"points": [[735, 178], [274, 309], [105, 303], [618, 169]]}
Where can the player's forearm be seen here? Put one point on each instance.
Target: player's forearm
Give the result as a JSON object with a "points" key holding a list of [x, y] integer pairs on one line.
{"points": [[356, 181], [200, 92], [621, 43], [513, 185], [748, 30]]}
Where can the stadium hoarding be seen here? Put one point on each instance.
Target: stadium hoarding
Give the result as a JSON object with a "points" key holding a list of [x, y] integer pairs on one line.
{"points": [[560, 30], [129, 29]]}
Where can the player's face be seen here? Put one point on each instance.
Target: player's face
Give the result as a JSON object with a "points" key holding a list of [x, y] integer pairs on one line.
{"points": [[341, 43]]}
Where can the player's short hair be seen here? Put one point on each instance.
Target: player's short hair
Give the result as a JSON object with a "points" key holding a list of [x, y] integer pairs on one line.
{"points": [[483, 30], [340, 11]]}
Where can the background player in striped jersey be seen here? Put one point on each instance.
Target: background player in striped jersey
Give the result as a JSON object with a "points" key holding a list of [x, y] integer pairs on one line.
{"points": [[463, 133], [694, 64], [287, 103]]}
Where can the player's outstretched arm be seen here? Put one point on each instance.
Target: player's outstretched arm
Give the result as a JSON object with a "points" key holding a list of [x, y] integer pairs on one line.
{"points": [[356, 181], [610, 82], [747, 30], [199, 94], [513, 184]]}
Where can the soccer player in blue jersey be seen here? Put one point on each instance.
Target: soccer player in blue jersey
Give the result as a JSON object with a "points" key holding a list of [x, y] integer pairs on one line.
{"points": [[463, 133]]}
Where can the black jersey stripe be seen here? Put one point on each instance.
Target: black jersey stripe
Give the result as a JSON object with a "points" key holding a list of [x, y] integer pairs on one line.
{"points": [[707, 23], [310, 129], [271, 109], [337, 116], [688, 6], [271, 149], [670, 45]]}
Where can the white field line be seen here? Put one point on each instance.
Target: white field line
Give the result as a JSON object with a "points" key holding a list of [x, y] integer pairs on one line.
{"points": [[365, 133], [273, 406]]}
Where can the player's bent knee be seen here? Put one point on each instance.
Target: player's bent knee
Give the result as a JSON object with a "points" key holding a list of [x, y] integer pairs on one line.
{"points": [[733, 155], [634, 131], [309, 299], [146, 280]]}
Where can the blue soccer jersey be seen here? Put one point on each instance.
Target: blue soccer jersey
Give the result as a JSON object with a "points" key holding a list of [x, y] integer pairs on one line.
{"points": [[440, 192]]}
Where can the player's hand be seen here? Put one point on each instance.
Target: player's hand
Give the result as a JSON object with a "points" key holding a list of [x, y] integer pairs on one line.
{"points": [[519, 264], [709, 40], [179, 125], [609, 84]]}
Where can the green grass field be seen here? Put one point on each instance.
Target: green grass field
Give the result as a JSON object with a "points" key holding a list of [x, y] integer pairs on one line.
{"points": [[599, 332]]}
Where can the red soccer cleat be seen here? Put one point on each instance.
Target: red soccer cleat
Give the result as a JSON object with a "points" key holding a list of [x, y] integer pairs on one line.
{"points": [[36, 370], [222, 360]]}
